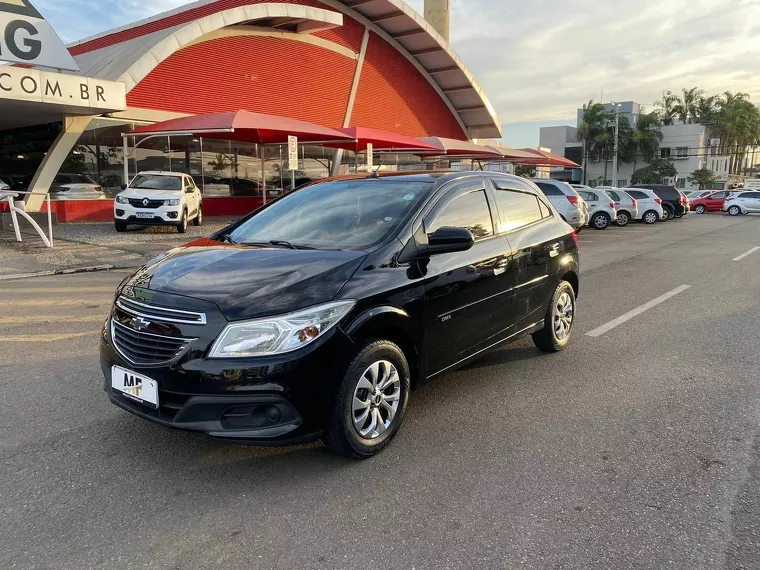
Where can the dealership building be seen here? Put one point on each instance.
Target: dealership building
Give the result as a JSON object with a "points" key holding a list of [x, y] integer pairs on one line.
{"points": [[337, 63]]}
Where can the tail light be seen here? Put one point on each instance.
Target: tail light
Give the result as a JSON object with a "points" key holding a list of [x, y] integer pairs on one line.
{"points": [[575, 238], [658, 200], [682, 200], [635, 203], [612, 205], [98, 188], [573, 200]]}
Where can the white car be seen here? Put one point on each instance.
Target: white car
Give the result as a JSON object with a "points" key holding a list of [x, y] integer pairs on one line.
{"points": [[601, 208], [159, 198], [742, 203], [649, 205], [565, 199], [627, 207], [75, 187]]}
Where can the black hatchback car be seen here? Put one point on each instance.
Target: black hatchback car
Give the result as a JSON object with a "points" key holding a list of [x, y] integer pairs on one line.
{"points": [[674, 202], [316, 314]]}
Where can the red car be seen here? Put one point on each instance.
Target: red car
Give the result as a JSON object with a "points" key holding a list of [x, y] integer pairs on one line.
{"points": [[710, 203]]}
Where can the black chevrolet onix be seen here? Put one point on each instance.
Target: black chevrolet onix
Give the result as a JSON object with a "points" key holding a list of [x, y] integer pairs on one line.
{"points": [[315, 315]]}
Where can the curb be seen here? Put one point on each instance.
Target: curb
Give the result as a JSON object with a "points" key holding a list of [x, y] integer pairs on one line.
{"points": [[89, 269]]}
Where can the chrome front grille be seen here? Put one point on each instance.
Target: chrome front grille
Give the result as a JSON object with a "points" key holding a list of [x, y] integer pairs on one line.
{"points": [[146, 349], [160, 314]]}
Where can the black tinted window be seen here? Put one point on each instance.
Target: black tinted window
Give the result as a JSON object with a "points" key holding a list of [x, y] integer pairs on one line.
{"points": [[350, 214], [517, 209], [468, 211], [549, 189], [667, 193], [614, 195], [751, 195], [637, 194]]}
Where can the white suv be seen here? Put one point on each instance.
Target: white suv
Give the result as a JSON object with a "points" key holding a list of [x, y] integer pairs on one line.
{"points": [[565, 199], [159, 199], [649, 205], [601, 208]]}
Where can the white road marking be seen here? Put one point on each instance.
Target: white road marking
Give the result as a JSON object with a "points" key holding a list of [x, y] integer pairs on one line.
{"points": [[637, 311], [746, 254]]}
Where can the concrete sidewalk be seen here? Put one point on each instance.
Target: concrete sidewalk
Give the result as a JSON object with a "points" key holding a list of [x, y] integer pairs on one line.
{"points": [[31, 257]]}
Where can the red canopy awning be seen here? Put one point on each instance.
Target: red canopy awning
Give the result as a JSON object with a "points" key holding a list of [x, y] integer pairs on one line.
{"points": [[462, 149], [543, 158], [245, 126], [384, 141], [511, 154]]}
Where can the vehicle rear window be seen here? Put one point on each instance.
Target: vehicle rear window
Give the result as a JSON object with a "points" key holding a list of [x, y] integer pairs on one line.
{"points": [[549, 189], [518, 209], [638, 194], [346, 214], [469, 211], [614, 195], [156, 182]]}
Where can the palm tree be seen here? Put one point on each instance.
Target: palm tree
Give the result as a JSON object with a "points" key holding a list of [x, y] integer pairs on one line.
{"points": [[646, 138], [736, 122], [687, 108], [668, 109], [706, 106], [592, 126]]}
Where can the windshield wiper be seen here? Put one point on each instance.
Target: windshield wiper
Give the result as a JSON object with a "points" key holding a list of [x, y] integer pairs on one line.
{"points": [[283, 243]]}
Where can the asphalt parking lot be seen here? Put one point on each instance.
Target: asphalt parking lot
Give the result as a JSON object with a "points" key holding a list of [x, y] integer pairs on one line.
{"points": [[638, 447]]}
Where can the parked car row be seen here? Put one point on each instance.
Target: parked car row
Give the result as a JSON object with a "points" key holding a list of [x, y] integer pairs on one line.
{"points": [[599, 207]]}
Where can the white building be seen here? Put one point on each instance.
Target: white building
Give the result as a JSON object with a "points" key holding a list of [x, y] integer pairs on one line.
{"points": [[688, 145]]}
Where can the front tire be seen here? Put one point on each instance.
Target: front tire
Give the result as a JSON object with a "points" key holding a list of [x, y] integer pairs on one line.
{"points": [[600, 221], [559, 320], [182, 227], [120, 226], [734, 210], [371, 402], [701, 209], [623, 219]]}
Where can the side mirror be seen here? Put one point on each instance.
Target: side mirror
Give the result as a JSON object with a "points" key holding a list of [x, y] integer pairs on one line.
{"points": [[123, 186], [449, 240]]}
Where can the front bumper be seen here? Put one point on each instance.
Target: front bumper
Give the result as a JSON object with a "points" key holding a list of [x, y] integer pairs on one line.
{"points": [[163, 215], [264, 401]]}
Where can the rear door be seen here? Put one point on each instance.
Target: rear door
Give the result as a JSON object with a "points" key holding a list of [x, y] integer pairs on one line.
{"points": [[536, 245], [751, 201], [465, 292]]}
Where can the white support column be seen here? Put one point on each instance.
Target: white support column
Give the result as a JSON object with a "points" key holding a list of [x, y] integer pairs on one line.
{"points": [[338, 157], [73, 127]]}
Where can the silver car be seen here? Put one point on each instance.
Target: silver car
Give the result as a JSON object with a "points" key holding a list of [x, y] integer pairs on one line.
{"points": [[601, 207], [566, 200], [649, 205], [626, 206], [75, 187]]}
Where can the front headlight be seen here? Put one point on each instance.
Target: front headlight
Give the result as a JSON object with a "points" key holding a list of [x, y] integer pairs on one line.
{"points": [[122, 200], [279, 334], [174, 202]]}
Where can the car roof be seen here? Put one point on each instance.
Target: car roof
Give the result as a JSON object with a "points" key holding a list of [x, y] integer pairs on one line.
{"points": [[162, 173]]}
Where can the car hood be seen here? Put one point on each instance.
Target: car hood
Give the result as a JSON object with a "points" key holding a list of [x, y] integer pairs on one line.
{"points": [[247, 282], [151, 194]]}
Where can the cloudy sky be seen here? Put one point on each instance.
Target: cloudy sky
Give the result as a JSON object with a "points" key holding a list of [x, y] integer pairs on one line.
{"points": [[538, 61]]}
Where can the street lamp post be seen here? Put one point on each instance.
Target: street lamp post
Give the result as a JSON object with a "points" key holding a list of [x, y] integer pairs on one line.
{"points": [[615, 151]]}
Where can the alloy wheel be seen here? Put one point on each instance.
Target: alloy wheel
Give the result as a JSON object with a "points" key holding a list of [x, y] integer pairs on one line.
{"points": [[562, 315], [622, 219], [376, 400], [734, 210], [650, 218], [700, 209], [601, 222]]}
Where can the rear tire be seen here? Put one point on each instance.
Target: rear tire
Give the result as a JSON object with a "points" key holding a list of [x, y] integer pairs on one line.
{"points": [[650, 217], [559, 320], [701, 209], [669, 214], [182, 227], [120, 226], [623, 219], [600, 221], [344, 431]]}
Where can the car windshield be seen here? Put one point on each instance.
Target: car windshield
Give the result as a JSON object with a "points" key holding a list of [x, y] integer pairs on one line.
{"points": [[156, 182], [351, 214]]}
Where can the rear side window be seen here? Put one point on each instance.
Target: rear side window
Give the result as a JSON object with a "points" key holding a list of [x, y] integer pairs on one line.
{"points": [[549, 189], [518, 209], [637, 194], [545, 210], [469, 211], [751, 195], [614, 195]]}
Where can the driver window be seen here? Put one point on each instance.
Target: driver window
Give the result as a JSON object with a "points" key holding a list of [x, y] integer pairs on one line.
{"points": [[469, 211]]}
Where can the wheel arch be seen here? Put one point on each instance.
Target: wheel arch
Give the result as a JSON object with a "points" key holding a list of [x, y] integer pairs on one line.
{"points": [[572, 277], [396, 325]]}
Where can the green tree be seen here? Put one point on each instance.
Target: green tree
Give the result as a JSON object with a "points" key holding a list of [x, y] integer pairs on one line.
{"points": [[592, 126], [704, 177], [655, 173], [526, 171], [687, 107], [668, 109], [645, 139], [736, 122]]}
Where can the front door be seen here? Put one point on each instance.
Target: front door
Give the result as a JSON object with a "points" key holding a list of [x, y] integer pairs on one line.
{"points": [[464, 291], [714, 202], [192, 197]]}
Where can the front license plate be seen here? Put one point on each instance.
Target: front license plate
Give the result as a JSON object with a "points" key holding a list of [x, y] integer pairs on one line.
{"points": [[144, 215], [136, 387]]}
